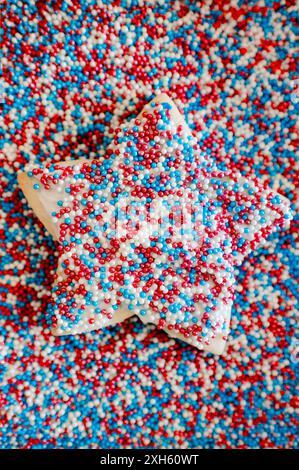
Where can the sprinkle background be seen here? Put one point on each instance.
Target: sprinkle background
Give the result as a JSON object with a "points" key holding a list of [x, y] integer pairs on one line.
{"points": [[72, 71]]}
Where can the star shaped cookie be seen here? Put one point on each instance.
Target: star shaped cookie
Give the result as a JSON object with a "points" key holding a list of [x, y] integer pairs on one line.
{"points": [[153, 228]]}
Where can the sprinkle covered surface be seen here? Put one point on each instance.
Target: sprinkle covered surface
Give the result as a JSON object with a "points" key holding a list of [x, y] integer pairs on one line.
{"points": [[73, 74]]}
